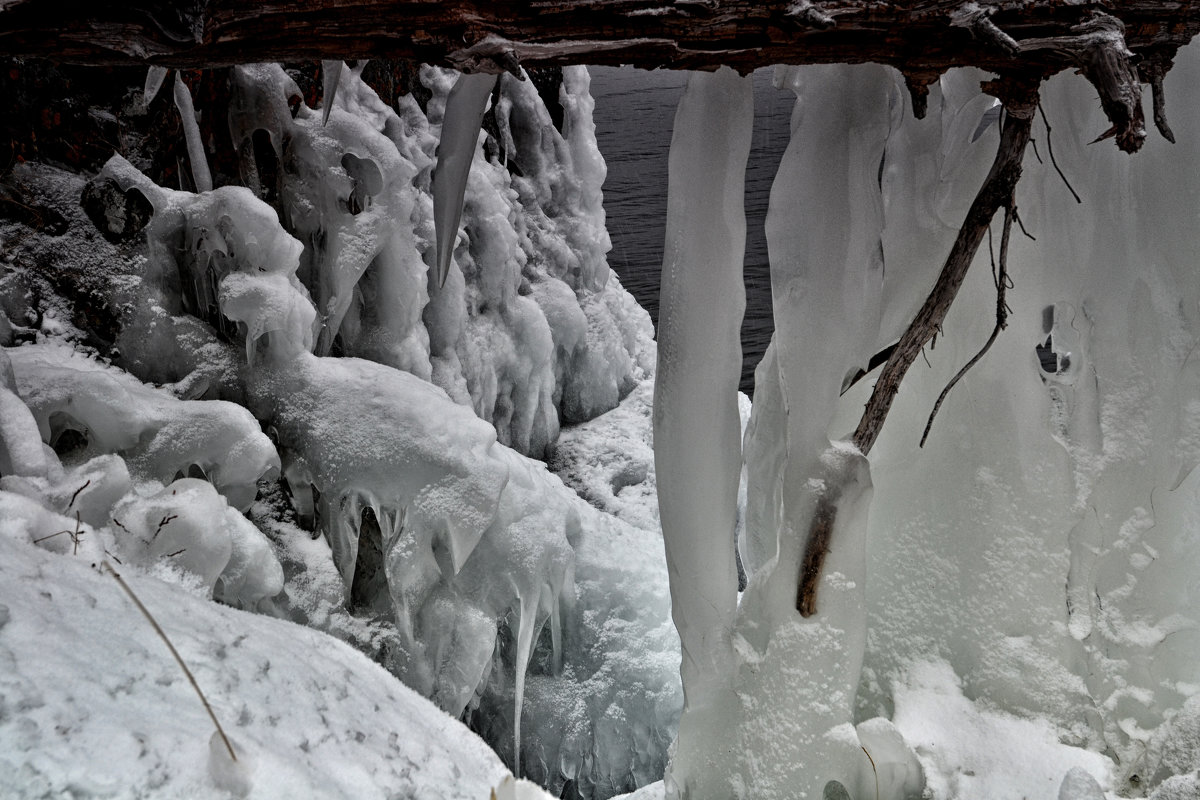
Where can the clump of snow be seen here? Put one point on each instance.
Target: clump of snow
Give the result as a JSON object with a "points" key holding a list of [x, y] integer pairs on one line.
{"points": [[1078, 784], [190, 524]]}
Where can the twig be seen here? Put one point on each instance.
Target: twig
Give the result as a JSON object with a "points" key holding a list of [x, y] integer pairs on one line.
{"points": [[1154, 72], [1021, 225], [178, 659], [1002, 284], [992, 255], [77, 491], [1050, 151], [162, 523], [873, 769], [75, 535]]}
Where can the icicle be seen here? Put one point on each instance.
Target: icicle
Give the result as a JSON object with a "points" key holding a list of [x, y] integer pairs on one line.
{"points": [[154, 81], [460, 136], [697, 429], [191, 131], [331, 73], [525, 630]]}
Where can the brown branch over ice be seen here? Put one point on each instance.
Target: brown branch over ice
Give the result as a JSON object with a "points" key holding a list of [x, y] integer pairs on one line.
{"points": [[1020, 98]]}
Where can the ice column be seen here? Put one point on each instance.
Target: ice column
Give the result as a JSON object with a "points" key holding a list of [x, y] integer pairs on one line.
{"points": [[191, 132], [697, 451], [798, 676]]}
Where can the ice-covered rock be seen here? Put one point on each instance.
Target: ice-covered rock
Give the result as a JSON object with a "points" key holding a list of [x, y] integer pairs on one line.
{"points": [[526, 327], [192, 527], [109, 411]]}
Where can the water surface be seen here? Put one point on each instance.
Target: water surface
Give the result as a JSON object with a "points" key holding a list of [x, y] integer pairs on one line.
{"points": [[635, 110]]}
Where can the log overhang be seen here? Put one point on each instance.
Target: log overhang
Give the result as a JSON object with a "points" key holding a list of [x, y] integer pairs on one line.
{"points": [[921, 38]]}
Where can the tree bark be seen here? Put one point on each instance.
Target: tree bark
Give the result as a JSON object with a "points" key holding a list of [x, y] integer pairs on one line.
{"points": [[921, 37]]}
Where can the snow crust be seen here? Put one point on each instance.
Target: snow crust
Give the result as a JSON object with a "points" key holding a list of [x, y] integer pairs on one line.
{"points": [[100, 709]]}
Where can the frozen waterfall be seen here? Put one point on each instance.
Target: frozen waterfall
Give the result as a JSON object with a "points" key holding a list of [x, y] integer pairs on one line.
{"points": [[1034, 556]]}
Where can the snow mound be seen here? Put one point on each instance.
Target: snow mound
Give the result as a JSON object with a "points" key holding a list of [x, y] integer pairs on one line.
{"points": [[969, 750], [92, 704]]}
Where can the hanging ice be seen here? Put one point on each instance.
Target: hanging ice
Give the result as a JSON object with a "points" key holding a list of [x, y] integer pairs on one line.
{"points": [[154, 81], [191, 132], [331, 73], [460, 136], [697, 430]]}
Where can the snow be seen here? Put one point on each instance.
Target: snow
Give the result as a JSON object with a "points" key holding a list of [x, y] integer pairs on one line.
{"points": [[972, 751], [99, 708]]}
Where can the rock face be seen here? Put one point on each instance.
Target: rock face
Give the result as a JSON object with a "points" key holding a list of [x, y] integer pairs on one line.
{"points": [[119, 215]]}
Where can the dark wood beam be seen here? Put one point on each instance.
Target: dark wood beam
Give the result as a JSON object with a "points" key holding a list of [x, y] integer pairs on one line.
{"points": [[920, 37]]}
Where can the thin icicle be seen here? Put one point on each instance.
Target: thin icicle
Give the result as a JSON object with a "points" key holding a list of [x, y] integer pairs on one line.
{"points": [[331, 73], [525, 630], [191, 132], [154, 81], [697, 428], [460, 136]]}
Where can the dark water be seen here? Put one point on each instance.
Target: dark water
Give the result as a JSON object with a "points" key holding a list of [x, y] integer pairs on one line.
{"points": [[635, 110]]}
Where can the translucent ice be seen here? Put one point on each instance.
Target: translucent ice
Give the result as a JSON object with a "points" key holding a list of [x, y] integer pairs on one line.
{"points": [[191, 131], [331, 73], [697, 429], [460, 136]]}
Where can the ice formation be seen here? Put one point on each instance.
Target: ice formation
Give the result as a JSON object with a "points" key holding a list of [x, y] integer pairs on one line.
{"points": [[102, 410], [697, 429], [1016, 612], [1043, 539], [201, 175], [451, 557], [465, 106]]}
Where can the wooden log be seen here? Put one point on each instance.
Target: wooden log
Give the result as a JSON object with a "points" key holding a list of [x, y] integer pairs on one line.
{"points": [[918, 37]]}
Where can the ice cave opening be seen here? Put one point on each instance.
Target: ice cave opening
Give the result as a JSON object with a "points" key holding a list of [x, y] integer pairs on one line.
{"points": [[360, 363]]}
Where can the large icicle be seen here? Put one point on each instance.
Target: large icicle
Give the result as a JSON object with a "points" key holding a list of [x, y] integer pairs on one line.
{"points": [[331, 73], [460, 136], [697, 432], [823, 234], [191, 132]]}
